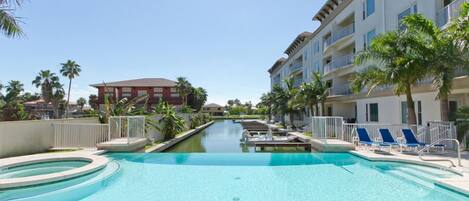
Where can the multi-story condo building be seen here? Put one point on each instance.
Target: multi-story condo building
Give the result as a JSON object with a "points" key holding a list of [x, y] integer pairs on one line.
{"points": [[155, 88], [347, 27]]}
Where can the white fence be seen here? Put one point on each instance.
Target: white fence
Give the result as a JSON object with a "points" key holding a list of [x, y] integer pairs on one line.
{"points": [[372, 129], [128, 127], [334, 128], [327, 127], [80, 135]]}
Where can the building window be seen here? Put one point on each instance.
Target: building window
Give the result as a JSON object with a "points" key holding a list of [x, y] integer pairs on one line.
{"points": [[126, 92], [142, 92], [372, 114], [408, 11], [405, 113], [368, 8], [368, 38], [158, 92]]}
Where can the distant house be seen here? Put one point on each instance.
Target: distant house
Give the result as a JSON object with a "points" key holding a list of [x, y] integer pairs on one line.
{"points": [[39, 108], [214, 109], [156, 88]]}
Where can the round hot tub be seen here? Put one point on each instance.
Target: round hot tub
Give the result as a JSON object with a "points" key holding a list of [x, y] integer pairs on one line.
{"points": [[46, 168]]}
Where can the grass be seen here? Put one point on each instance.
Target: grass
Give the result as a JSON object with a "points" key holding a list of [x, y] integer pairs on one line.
{"points": [[308, 133]]}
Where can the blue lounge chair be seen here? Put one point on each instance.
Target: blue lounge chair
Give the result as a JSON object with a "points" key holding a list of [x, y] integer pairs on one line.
{"points": [[388, 139], [411, 140], [364, 138]]}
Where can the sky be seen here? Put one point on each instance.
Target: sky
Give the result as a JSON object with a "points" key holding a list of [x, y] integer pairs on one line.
{"points": [[225, 47]]}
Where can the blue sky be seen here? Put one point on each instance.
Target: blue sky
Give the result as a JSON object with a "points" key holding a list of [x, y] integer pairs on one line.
{"points": [[223, 46]]}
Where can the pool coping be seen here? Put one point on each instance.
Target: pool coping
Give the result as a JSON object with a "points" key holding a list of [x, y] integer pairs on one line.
{"points": [[460, 185], [167, 144], [96, 163]]}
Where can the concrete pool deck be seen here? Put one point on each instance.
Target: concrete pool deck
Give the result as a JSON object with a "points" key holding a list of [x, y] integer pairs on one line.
{"points": [[460, 184], [95, 163]]}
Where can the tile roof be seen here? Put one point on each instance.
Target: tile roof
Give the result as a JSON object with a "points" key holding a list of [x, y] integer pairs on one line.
{"points": [[144, 82]]}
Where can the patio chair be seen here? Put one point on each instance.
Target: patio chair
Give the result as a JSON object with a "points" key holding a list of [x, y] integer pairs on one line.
{"points": [[388, 139], [364, 138], [411, 140]]}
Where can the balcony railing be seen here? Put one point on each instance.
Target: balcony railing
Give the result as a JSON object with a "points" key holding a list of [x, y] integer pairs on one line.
{"points": [[297, 82], [296, 67], [340, 90], [449, 12], [339, 63], [327, 42], [343, 32]]}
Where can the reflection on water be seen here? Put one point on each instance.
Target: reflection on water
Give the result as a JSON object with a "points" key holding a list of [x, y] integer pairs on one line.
{"points": [[221, 137]]}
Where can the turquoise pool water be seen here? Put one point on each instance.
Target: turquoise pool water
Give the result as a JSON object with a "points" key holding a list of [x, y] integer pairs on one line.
{"points": [[249, 177], [40, 168]]}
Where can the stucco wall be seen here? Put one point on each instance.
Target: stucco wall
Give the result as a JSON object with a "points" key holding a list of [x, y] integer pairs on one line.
{"points": [[29, 137]]}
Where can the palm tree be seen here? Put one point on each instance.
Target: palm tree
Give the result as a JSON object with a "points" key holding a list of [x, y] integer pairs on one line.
{"points": [[169, 123], [308, 97], [458, 28], [71, 70], [321, 89], [184, 88], [13, 89], [285, 101], [9, 24], [81, 102], [267, 100], [12, 100], [45, 79], [200, 97], [443, 58], [57, 97], [394, 58]]}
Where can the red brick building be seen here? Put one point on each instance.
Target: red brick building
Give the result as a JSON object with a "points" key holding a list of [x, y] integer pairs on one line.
{"points": [[156, 89]]}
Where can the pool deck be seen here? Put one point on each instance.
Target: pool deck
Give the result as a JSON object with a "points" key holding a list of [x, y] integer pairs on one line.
{"points": [[460, 184]]}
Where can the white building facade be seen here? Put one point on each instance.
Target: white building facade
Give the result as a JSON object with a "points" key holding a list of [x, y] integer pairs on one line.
{"points": [[347, 27]]}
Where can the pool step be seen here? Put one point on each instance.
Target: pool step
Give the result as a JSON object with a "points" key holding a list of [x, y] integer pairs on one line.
{"points": [[428, 183]]}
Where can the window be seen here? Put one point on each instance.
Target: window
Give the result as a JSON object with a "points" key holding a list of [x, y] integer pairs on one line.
{"points": [[174, 92], [142, 92], [126, 92], [405, 113], [157, 92], [368, 38], [368, 8], [408, 11], [372, 113], [316, 47]]}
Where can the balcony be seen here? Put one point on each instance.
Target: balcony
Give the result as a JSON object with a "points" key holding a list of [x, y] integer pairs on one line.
{"points": [[343, 32], [295, 67], [449, 12], [327, 43], [340, 90], [339, 63], [297, 82]]}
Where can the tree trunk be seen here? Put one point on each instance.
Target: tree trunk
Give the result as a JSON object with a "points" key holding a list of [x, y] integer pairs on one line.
{"points": [[444, 107], [283, 120], [311, 110], [68, 98], [290, 116], [323, 108], [411, 118], [317, 109]]}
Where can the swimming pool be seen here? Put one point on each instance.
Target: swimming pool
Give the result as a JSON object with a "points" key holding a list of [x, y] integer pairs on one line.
{"points": [[257, 176], [40, 168]]}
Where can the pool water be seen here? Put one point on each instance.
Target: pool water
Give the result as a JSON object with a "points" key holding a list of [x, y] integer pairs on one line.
{"points": [[40, 168], [255, 176], [223, 136]]}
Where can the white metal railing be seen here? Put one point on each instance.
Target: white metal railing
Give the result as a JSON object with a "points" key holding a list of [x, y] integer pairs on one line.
{"points": [[372, 129], [343, 32], [79, 135], [327, 127], [449, 12], [129, 128], [327, 42], [339, 63], [458, 150], [438, 130]]}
